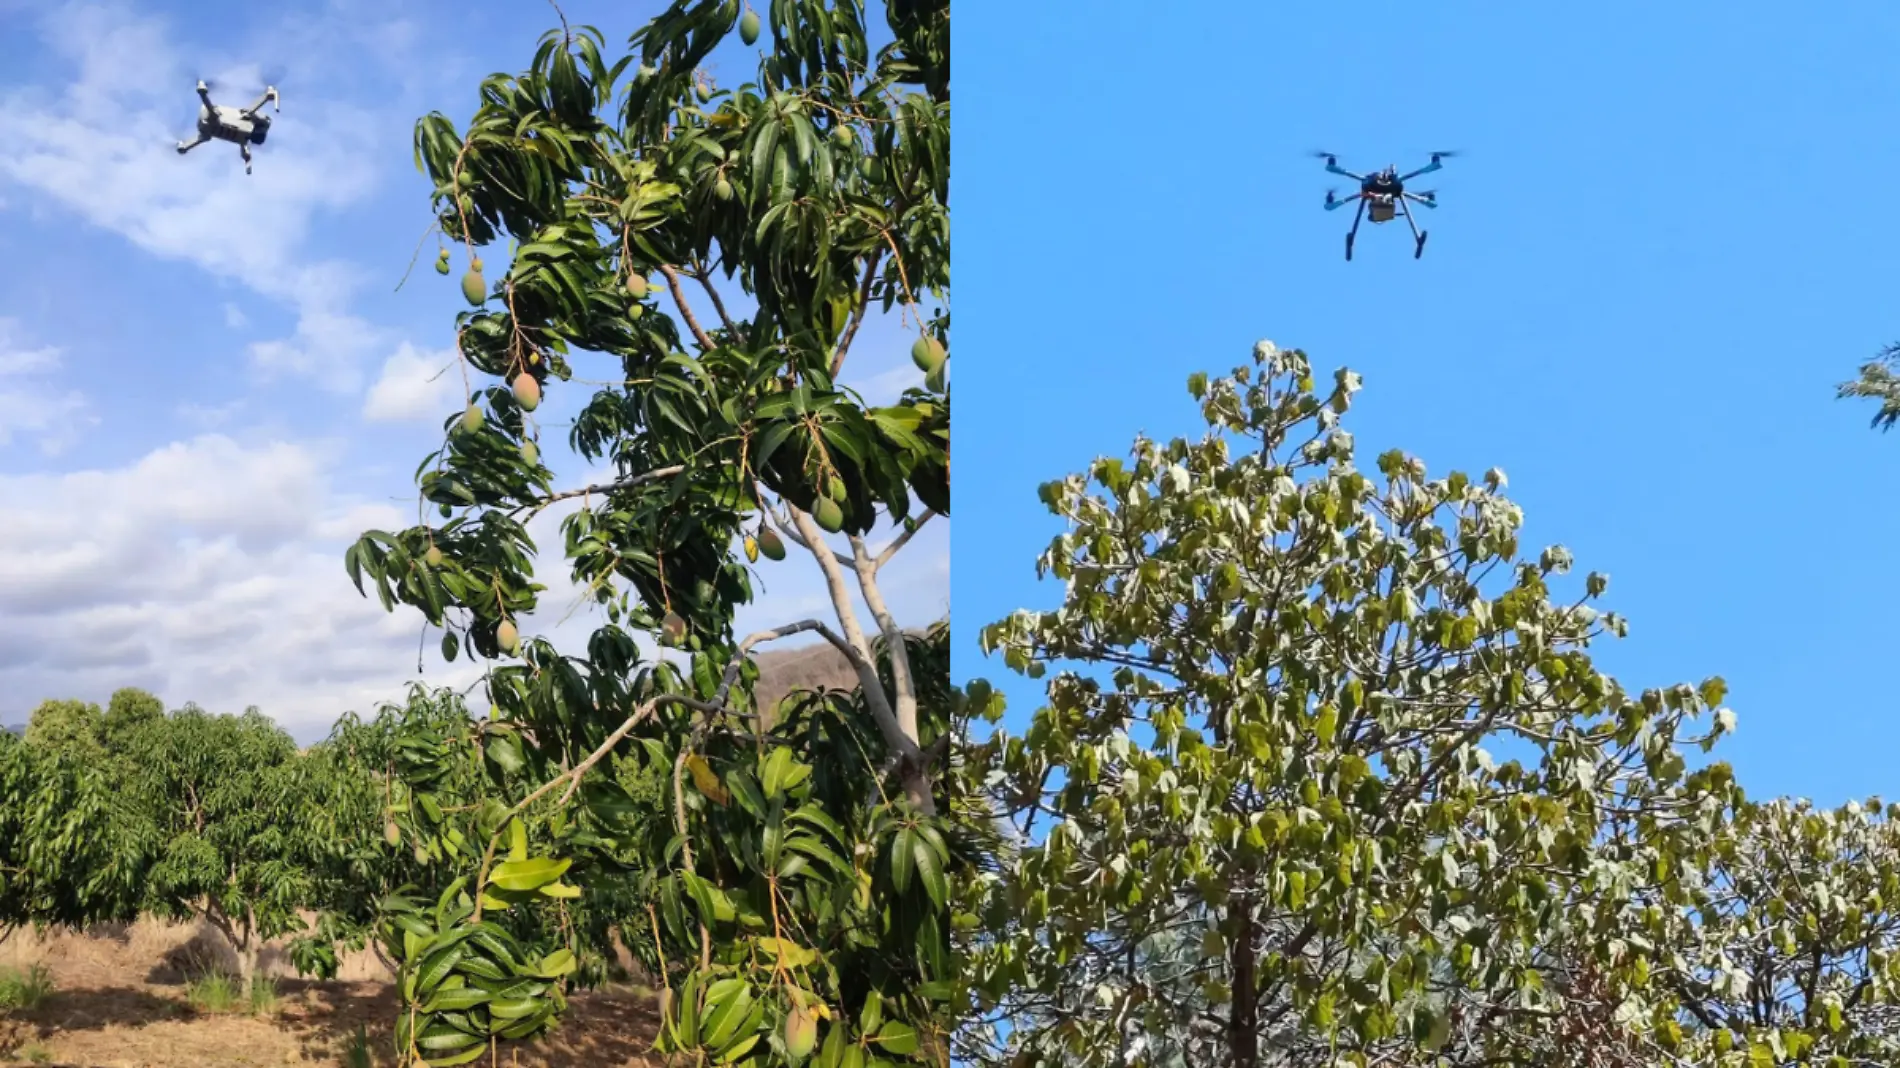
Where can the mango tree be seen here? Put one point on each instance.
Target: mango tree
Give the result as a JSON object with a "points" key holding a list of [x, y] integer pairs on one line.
{"points": [[220, 797], [1326, 773], [70, 856], [641, 200]]}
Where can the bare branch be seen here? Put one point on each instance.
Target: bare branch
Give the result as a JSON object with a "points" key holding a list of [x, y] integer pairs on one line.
{"points": [[902, 743], [857, 314], [738, 656], [603, 487], [901, 682], [686, 310], [573, 776], [703, 275], [902, 540], [686, 846]]}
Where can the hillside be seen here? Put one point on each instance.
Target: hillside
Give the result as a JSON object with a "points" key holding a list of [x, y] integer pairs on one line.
{"points": [[801, 667]]}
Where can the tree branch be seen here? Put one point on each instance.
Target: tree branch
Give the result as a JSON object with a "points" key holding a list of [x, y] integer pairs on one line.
{"points": [[573, 775], [902, 540], [901, 682], [857, 314], [902, 744], [686, 310], [738, 656], [603, 487], [703, 275]]}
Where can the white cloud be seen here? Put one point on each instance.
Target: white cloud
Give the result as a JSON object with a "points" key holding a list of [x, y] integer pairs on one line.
{"points": [[415, 386], [234, 316], [210, 416], [210, 570], [198, 571], [886, 386], [32, 403]]}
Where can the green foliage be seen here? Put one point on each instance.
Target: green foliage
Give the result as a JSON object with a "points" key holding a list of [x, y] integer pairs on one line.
{"points": [[1789, 940], [129, 711], [74, 727], [213, 992], [69, 854], [1877, 381], [1329, 771]]}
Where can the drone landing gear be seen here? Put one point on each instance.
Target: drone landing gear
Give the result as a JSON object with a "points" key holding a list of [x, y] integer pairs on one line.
{"points": [[1417, 234], [1358, 214]]}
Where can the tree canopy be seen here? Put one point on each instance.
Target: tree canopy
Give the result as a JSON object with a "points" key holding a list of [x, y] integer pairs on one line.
{"points": [[1326, 775]]}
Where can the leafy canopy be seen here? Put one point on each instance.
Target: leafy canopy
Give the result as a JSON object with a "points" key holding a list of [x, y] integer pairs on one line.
{"points": [[1326, 769]]}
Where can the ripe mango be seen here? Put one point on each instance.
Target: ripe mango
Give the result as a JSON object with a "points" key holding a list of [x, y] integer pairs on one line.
{"points": [[527, 391], [771, 544]]}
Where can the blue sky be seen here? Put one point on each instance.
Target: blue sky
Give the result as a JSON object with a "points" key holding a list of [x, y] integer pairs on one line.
{"points": [[209, 383], [1649, 272]]}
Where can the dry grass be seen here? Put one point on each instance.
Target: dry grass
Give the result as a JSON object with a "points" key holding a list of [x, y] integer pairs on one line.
{"points": [[122, 997]]}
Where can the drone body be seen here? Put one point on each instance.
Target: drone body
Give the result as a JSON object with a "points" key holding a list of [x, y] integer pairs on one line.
{"points": [[242, 127], [1382, 195]]}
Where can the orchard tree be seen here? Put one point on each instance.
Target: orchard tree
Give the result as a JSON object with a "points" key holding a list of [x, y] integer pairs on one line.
{"points": [[1326, 774], [76, 727], [629, 190], [1789, 951], [227, 821], [69, 856], [129, 710]]}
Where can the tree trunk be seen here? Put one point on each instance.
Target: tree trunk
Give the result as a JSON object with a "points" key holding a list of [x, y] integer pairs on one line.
{"points": [[1243, 1021], [246, 946]]}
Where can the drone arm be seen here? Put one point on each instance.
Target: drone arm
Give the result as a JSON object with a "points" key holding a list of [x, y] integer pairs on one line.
{"points": [[1334, 168], [1427, 169], [269, 97], [1332, 204], [1417, 199]]}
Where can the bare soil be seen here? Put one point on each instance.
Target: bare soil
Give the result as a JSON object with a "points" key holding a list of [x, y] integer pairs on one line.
{"points": [[120, 999]]}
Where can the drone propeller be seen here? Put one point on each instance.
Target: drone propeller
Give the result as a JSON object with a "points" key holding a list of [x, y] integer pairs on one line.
{"points": [[1330, 157], [1447, 154]]}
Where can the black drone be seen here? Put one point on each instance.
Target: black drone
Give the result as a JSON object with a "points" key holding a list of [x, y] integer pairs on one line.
{"points": [[1383, 193]]}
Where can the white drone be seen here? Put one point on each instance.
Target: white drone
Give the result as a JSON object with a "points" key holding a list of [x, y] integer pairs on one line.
{"points": [[242, 127]]}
